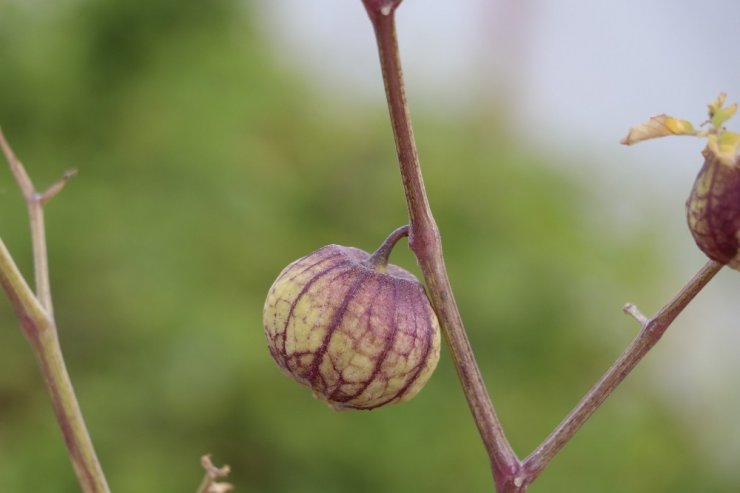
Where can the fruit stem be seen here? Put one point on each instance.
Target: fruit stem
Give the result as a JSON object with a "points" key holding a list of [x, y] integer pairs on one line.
{"points": [[379, 259]]}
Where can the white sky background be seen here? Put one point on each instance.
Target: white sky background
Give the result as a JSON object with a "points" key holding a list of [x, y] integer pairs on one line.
{"points": [[575, 75]]}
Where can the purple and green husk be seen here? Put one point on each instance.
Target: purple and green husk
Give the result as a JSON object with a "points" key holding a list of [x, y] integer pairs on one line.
{"points": [[358, 331]]}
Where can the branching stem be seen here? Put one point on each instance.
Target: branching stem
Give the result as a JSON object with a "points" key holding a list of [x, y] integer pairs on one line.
{"points": [[651, 332], [510, 474], [35, 313]]}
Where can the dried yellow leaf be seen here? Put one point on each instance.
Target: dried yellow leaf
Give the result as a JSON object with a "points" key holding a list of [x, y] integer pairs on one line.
{"points": [[659, 126]]}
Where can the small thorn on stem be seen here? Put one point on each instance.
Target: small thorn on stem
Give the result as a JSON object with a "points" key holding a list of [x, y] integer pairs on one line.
{"points": [[632, 310], [56, 187]]}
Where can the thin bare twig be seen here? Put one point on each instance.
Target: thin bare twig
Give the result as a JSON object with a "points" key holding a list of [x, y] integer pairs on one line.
{"points": [[19, 172], [36, 317], [652, 330], [56, 187]]}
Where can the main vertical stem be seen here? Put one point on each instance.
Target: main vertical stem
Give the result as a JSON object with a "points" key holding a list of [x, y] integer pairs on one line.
{"points": [[424, 240]]}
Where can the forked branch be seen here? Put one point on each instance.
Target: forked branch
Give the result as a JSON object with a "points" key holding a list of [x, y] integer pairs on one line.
{"points": [[511, 475], [35, 314]]}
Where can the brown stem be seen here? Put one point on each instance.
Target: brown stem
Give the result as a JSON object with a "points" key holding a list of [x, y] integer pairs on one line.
{"points": [[35, 314], [510, 474], [652, 330], [424, 240]]}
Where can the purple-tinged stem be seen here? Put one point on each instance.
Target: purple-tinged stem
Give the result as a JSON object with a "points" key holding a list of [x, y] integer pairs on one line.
{"points": [[510, 474], [424, 240], [379, 259], [651, 332]]}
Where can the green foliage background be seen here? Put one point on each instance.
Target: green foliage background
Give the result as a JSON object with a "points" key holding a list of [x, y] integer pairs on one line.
{"points": [[205, 168]]}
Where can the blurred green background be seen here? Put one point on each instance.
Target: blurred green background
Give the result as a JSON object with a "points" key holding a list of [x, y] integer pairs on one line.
{"points": [[205, 168]]}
